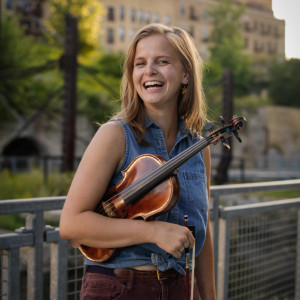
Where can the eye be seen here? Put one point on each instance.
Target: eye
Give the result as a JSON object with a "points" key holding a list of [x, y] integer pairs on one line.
{"points": [[139, 63], [163, 62]]}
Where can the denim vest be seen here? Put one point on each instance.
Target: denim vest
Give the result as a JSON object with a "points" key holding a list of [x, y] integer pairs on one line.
{"points": [[193, 200]]}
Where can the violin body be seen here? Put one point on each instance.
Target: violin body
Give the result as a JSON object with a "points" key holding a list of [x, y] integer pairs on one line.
{"points": [[158, 200]]}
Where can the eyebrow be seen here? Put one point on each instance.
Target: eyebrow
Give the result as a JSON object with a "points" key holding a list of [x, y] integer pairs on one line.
{"points": [[157, 57]]}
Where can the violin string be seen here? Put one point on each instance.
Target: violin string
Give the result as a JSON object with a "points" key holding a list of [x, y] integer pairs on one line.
{"points": [[167, 168], [155, 177]]}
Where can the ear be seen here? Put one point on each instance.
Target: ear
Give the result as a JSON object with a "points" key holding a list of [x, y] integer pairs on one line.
{"points": [[185, 78]]}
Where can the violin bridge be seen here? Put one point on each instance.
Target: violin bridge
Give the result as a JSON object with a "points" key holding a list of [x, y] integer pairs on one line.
{"points": [[108, 209]]}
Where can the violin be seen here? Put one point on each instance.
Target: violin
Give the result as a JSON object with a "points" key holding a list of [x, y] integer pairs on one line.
{"points": [[150, 187]]}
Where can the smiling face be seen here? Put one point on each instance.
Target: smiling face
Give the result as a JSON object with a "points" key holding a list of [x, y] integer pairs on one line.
{"points": [[158, 73]]}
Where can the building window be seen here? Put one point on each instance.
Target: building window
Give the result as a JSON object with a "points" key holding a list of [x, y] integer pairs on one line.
{"points": [[110, 36], [258, 47], [8, 4], [192, 31], [132, 15], [110, 14], [247, 26], [156, 18], [203, 52], [204, 15], [132, 33], [167, 20], [254, 26], [204, 33], [122, 34], [272, 48], [193, 15], [147, 17], [122, 12], [140, 16], [182, 9]]}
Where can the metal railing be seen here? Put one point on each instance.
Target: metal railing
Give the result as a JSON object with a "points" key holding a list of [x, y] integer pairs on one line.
{"points": [[256, 248]]}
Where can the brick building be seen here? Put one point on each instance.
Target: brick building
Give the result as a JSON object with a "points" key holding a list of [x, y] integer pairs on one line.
{"points": [[264, 35]]}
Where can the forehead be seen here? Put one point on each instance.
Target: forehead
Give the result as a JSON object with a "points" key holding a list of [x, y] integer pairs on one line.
{"points": [[155, 45]]}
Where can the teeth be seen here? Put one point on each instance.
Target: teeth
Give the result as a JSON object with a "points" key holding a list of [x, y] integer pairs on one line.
{"points": [[149, 83]]}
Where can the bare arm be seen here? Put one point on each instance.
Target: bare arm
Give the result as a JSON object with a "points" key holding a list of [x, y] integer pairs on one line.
{"points": [[204, 270], [81, 225]]}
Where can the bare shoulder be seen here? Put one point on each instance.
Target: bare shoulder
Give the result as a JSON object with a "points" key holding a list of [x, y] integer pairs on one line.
{"points": [[112, 132], [109, 143]]}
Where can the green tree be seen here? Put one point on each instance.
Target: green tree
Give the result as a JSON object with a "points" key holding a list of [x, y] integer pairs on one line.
{"points": [[24, 72], [99, 85], [227, 48], [31, 81], [88, 13], [284, 86]]}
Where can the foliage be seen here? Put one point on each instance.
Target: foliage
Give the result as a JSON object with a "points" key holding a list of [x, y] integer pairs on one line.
{"points": [[99, 84], [284, 87], [24, 71], [11, 222], [31, 82], [32, 184], [88, 13], [227, 48]]}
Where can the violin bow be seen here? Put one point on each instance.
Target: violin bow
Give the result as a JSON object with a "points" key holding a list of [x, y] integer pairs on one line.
{"points": [[187, 264], [192, 228], [189, 293]]}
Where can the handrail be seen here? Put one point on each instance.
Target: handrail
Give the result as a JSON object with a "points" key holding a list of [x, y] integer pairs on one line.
{"points": [[218, 190]]}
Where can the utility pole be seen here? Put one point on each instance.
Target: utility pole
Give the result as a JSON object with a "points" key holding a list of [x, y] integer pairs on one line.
{"points": [[227, 111], [68, 64]]}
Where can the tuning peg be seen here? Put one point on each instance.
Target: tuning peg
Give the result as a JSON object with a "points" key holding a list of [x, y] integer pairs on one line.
{"points": [[209, 127], [237, 136], [223, 121], [224, 143]]}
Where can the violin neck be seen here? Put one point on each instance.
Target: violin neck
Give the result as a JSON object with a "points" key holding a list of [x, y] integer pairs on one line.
{"points": [[163, 172]]}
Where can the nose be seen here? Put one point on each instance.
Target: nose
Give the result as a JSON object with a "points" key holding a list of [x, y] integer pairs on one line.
{"points": [[150, 69]]}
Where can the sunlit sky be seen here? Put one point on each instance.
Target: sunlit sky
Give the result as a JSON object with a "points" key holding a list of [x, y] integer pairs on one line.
{"points": [[289, 10]]}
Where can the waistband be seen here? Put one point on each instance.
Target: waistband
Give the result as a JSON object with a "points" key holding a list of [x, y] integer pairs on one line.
{"points": [[126, 273]]}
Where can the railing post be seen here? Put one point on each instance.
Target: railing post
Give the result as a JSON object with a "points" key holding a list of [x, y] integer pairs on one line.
{"points": [[242, 168], [223, 259], [58, 272], [10, 276], [297, 277], [215, 216], [35, 222]]}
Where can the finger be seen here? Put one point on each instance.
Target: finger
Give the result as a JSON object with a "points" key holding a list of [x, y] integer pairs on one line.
{"points": [[178, 253], [191, 241]]}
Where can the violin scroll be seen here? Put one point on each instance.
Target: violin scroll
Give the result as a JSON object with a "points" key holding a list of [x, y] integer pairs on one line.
{"points": [[235, 124]]}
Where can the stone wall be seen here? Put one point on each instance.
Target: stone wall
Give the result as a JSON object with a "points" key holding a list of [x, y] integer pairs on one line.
{"points": [[47, 133], [270, 131]]}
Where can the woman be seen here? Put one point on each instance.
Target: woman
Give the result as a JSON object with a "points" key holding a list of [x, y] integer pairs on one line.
{"points": [[162, 113]]}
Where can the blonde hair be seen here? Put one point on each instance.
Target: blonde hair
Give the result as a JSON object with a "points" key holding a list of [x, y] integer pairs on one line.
{"points": [[191, 105]]}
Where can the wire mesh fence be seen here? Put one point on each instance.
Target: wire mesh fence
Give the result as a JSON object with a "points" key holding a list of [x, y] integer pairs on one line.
{"points": [[262, 256], [75, 272]]}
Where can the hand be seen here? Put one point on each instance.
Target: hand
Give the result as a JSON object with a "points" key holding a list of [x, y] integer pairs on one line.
{"points": [[171, 237]]}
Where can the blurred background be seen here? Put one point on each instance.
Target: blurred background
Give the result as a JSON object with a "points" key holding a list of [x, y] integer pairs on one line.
{"points": [[61, 66], [60, 74]]}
